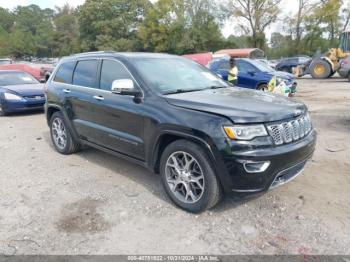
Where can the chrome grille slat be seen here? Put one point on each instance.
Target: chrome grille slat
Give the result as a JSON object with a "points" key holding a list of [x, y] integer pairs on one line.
{"points": [[296, 127], [289, 131]]}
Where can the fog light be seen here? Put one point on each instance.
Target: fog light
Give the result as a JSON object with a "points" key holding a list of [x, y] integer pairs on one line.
{"points": [[256, 167]]}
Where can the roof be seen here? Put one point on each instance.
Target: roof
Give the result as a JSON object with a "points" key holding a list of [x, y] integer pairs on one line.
{"points": [[124, 54], [244, 52]]}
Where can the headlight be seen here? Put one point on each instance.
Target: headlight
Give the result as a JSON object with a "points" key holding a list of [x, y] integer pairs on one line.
{"points": [[279, 80], [245, 132], [13, 97]]}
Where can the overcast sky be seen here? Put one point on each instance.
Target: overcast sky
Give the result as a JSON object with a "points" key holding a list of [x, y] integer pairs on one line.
{"points": [[289, 7]]}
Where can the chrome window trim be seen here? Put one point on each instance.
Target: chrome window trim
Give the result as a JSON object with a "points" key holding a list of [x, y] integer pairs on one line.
{"points": [[93, 88]]}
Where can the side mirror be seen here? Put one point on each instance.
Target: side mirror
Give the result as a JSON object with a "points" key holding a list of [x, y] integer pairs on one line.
{"points": [[251, 72], [124, 87]]}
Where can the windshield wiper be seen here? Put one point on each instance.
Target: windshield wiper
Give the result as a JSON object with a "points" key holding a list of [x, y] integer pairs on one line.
{"points": [[216, 87], [178, 91]]}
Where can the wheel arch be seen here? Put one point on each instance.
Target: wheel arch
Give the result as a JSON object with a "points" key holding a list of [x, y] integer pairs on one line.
{"points": [[167, 137], [53, 108], [261, 83]]}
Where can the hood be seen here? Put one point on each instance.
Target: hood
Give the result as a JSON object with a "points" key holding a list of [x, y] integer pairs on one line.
{"points": [[26, 90], [284, 75], [239, 104]]}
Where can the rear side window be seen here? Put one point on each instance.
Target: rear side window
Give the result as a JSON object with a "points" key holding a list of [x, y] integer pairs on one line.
{"points": [[65, 73], [112, 70], [85, 73]]}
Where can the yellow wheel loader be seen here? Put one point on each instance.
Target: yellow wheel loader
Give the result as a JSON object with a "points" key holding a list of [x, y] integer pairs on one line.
{"points": [[327, 65]]}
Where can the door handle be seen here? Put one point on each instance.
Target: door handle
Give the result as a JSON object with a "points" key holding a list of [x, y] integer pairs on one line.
{"points": [[66, 91], [100, 98]]}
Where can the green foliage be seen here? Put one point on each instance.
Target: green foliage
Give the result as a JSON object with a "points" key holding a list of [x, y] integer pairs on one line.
{"points": [[180, 26], [255, 16], [111, 24], [280, 46], [66, 34], [6, 19], [172, 26]]}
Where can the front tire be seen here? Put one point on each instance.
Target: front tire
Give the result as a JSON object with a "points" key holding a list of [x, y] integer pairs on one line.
{"points": [[320, 69], [263, 87], [188, 177], [61, 135]]}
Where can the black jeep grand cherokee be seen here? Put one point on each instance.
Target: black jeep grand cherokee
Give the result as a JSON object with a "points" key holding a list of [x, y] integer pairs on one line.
{"points": [[176, 118]]}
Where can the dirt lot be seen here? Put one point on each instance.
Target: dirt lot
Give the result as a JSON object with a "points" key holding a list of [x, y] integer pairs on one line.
{"points": [[94, 203]]}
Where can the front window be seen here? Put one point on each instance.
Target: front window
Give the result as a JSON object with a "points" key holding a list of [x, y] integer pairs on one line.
{"points": [[176, 75], [111, 71], [245, 67], [16, 78]]}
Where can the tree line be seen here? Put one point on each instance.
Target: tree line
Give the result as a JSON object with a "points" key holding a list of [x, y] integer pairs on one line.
{"points": [[172, 26]]}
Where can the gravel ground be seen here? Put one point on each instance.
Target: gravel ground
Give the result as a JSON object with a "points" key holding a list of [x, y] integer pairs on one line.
{"points": [[94, 203]]}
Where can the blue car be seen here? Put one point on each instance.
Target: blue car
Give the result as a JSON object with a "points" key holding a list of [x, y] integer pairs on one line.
{"points": [[20, 92], [252, 74]]}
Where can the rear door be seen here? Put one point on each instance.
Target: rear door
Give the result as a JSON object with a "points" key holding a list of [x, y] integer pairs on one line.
{"points": [[61, 83], [81, 104]]}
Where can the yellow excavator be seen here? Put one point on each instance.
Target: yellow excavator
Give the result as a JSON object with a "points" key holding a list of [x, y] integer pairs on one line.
{"points": [[328, 64]]}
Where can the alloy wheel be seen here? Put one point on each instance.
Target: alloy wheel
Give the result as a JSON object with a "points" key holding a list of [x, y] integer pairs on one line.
{"points": [[185, 177], [59, 133]]}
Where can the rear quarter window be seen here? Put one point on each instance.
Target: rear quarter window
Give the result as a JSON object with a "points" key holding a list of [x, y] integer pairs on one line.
{"points": [[65, 73]]}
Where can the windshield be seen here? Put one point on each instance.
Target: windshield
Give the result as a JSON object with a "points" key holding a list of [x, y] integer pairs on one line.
{"points": [[16, 78], [177, 75], [262, 66]]}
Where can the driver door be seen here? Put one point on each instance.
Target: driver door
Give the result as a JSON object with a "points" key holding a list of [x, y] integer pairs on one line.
{"points": [[246, 75], [119, 117]]}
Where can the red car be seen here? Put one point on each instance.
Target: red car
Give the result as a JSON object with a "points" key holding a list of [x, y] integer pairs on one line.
{"points": [[41, 72]]}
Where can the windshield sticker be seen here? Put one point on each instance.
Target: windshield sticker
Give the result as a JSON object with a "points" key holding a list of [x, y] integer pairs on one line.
{"points": [[26, 78]]}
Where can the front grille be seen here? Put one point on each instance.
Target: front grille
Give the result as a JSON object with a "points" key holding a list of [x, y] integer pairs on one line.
{"points": [[289, 131]]}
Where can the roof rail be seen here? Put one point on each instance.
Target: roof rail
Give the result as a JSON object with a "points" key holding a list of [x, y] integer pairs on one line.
{"points": [[93, 53]]}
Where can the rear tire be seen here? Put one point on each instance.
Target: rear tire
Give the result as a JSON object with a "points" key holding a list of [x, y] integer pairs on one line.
{"points": [[188, 177], [320, 69], [61, 136]]}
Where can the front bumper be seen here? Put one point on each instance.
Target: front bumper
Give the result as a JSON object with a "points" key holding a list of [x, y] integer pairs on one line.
{"points": [[286, 162], [23, 105]]}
